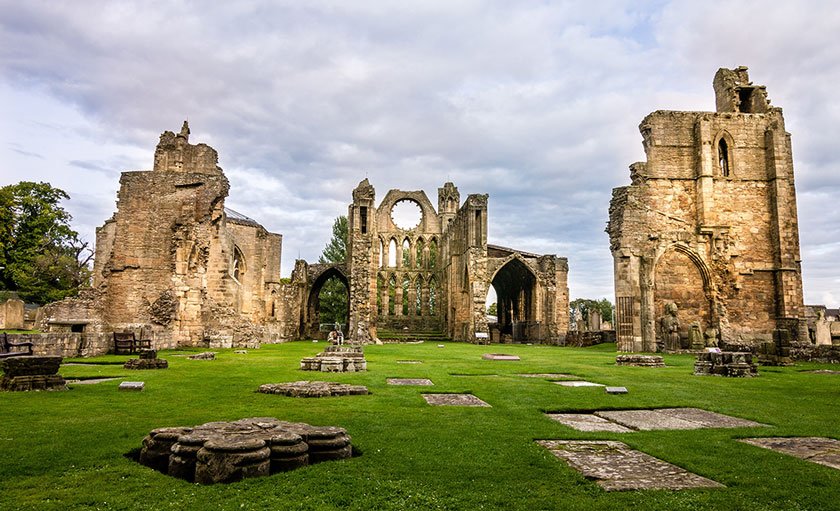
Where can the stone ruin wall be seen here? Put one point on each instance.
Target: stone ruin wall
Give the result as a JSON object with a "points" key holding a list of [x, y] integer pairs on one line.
{"points": [[725, 248], [167, 262]]}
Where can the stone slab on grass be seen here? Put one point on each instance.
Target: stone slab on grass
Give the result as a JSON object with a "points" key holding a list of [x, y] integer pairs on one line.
{"points": [[825, 451], [587, 422], [90, 381], [549, 376], [453, 400], [409, 361], [646, 420], [578, 384], [616, 390], [708, 419], [499, 356], [135, 386], [409, 381], [616, 467]]}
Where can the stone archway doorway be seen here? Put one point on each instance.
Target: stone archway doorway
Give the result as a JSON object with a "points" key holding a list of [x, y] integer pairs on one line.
{"points": [[679, 278], [328, 302], [515, 285]]}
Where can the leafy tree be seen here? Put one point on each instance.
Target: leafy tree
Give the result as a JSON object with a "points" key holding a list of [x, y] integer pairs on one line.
{"points": [[336, 249], [491, 309], [333, 296], [41, 256], [584, 305]]}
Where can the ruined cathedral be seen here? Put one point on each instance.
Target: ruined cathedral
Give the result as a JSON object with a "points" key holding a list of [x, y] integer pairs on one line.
{"points": [[707, 231], [704, 240], [176, 266]]}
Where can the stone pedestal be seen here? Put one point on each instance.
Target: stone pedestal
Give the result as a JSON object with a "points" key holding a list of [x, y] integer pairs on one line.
{"points": [[725, 363], [336, 359], [148, 360], [32, 373]]}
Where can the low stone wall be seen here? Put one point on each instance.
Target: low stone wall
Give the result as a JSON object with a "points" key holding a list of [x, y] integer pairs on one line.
{"points": [[67, 344], [812, 353], [580, 339]]}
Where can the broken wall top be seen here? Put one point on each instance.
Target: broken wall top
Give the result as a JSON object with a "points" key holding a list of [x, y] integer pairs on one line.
{"points": [[174, 153]]}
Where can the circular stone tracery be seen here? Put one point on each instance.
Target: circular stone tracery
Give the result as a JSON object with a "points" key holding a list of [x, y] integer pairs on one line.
{"points": [[406, 214]]}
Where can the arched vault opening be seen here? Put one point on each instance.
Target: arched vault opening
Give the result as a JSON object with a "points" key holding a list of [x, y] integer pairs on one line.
{"points": [[328, 302], [515, 285]]}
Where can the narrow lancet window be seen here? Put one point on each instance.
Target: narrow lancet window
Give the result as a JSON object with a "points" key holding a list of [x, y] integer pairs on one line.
{"points": [[723, 158]]}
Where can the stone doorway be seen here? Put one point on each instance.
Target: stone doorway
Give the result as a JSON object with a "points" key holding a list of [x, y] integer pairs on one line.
{"points": [[515, 286], [329, 294]]}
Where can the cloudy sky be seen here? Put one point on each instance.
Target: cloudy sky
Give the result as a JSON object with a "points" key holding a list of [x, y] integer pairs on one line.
{"points": [[535, 103]]}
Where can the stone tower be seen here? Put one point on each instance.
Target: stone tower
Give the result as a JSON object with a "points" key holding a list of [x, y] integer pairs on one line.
{"points": [[709, 223]]}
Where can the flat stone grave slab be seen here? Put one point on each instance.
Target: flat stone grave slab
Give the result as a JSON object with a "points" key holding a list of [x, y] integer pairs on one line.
{"points": [[578, 384], [817, 371], [409, 361], [673, 418], [587, 422], [90, 381], [135, 386], [453, 400], [207, 355], [549, 376], [313, 389], [616, 390], [499, 356], [616, 467], [409, 381], [825, 451]]}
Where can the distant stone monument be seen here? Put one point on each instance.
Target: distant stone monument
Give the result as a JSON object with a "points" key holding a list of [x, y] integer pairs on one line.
{"points": [[823, 330]]}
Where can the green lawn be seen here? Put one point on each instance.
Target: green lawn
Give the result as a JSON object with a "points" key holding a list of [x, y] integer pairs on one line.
{"points": [[66, 450]]}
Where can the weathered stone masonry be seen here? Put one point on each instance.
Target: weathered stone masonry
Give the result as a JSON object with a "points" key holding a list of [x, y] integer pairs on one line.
{"points": [[175, 264], [709, 223]]}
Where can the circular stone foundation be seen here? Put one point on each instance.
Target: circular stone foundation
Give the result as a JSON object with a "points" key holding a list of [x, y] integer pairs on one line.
{"points": [[224, 452]]}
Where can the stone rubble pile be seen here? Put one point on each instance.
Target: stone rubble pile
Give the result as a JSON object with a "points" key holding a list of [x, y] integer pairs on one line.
{"points": [[148, 360], [224, 452], [336, 359], [313, 389], [32, 373]]}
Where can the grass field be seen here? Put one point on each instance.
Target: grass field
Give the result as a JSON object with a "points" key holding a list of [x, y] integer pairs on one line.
{"points": [[67, 450]]}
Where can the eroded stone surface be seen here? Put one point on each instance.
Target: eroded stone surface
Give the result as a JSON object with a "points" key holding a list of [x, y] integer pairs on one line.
{"points": [[587, 422], [89, 381], [148, 360], [207, 355], [409, 381], [726, 363], [673, 418], [825, 451], [640, 360], [499, 356], [453, 400], [615, 466], [31, 373], [313, 389], [224, 452]]}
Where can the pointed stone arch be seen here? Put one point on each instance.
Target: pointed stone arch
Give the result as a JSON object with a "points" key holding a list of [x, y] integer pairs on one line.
{"points": [[680, 276], [516, 298], [724, 146]]}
